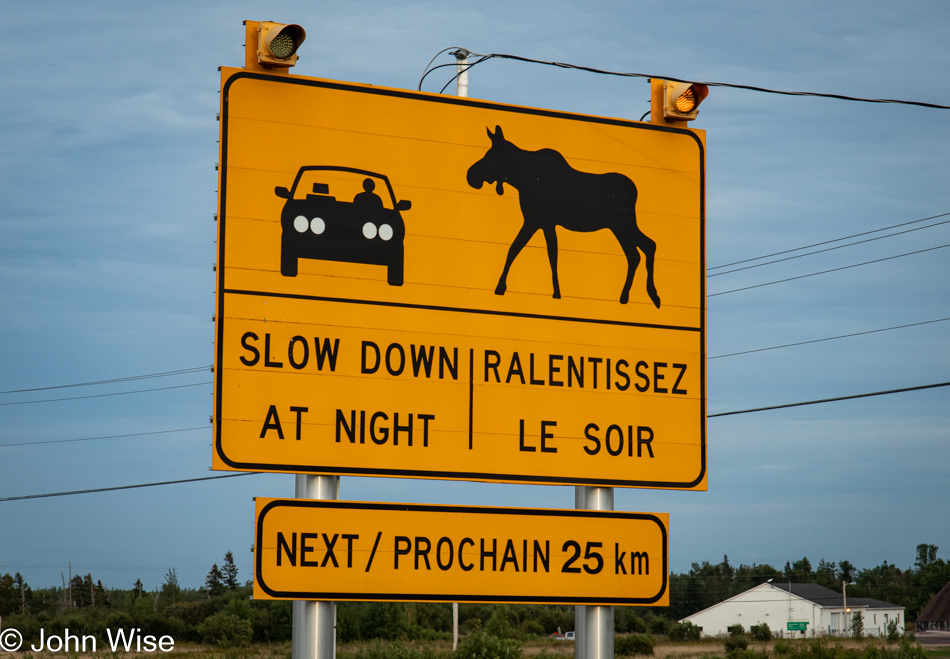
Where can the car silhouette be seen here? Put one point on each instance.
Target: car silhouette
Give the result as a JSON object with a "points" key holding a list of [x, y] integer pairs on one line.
{"points": [[335, 214]]}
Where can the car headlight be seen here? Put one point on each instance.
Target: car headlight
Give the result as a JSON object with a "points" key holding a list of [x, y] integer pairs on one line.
{"points": [[317, 225], [369, 230], [301, 223], [385, 232]]}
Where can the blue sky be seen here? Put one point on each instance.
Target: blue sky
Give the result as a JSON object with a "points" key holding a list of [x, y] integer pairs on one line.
{"points": [[107, 152]]}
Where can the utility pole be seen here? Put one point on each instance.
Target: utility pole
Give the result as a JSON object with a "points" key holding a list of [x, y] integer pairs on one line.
{"points": [[461, 72], [846, 626]]}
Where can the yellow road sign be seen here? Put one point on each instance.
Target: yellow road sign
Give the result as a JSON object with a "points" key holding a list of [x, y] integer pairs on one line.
{"points": [[342, 550], [426, 286]]}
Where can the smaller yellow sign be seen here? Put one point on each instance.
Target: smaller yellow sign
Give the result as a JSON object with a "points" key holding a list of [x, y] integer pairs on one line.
{"points": [[344, 550]]}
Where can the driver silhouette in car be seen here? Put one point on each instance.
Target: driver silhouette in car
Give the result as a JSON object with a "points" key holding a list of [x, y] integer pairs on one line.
{"points": [[367, 199]]}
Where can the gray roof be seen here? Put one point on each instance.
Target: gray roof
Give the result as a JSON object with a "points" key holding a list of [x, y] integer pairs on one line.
{"points": [[938, 609], [826, 597]]}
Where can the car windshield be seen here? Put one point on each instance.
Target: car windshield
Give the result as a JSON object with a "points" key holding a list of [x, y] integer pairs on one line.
{"points": [[344, 186]]}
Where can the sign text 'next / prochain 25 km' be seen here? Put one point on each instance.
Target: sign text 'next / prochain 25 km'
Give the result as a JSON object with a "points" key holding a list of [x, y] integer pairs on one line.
{"points": [[335, 550]]}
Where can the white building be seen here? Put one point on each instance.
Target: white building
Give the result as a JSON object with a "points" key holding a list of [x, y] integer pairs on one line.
{"points": [[819, 610]]}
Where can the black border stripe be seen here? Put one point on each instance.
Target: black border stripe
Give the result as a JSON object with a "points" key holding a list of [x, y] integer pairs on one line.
{"points": [[451, 100], [471, 397], [432, 307], [453, 475], [454, 597]]}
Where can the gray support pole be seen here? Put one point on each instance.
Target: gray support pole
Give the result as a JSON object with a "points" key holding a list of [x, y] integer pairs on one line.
{"points": [[594, 625], [314, 623], [461, 69], [580, 612], [455, 626], [461, 89]]}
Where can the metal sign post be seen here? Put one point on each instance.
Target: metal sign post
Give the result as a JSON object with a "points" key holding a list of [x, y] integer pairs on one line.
{"points": [[314, 623], [594, 625]]}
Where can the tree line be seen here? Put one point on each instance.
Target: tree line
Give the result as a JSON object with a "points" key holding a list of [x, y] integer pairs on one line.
{"points": [[221, 612], [707, 583]]}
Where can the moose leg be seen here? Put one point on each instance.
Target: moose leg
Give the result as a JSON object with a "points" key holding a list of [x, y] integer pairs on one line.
{"points": [[524, 235], [629, 241], [633, 260], [550, 237], [649, 251]]}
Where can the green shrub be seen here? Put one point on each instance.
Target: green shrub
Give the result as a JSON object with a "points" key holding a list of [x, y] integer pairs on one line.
{"points": [[911, 650], [749, 654], [659, 626], [632, 644], [735, 630], [684, 631], [782, 647], [500, 624], [239, 607], [736, 643], [417, 633], [27, 626], [393, 650], [481, 645], [818, 650], [226, 630], [760, 632], [470, 625], [626, 621], [857, 625], [531, 626], [893, 633], [552, 617]]}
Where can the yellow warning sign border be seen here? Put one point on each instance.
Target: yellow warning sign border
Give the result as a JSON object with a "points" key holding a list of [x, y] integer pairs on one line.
{"points": [[224, 292]]}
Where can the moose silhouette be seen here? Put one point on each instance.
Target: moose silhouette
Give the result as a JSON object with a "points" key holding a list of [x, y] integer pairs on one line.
{"points": [[553, 194]]}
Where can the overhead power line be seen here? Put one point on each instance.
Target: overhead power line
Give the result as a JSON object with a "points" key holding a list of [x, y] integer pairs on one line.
{"points": [[831, 400], [208, 478], [827, 249], [88, 439], [830, 338], [828, 242], [123, 487], [164, 374], [588, 69], [731, 354], [824, 272], [117, 393]]}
